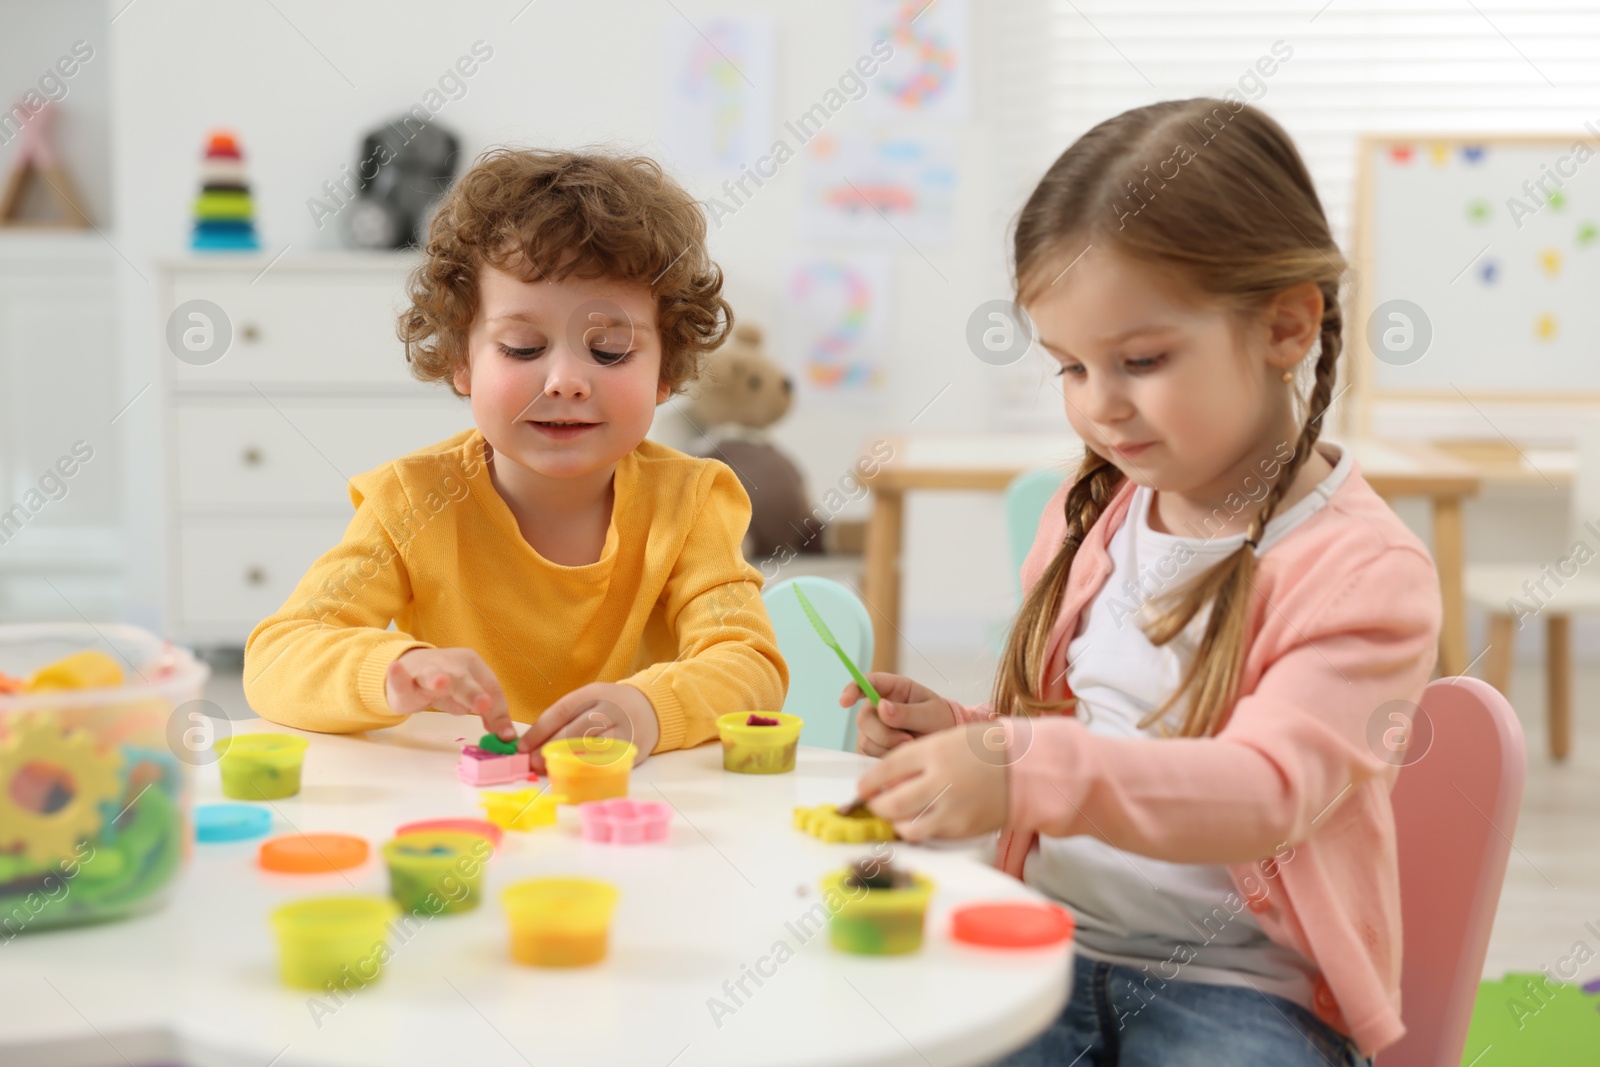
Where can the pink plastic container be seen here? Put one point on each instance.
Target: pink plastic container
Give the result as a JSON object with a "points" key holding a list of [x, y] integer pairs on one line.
{"points": [[622, 821]]}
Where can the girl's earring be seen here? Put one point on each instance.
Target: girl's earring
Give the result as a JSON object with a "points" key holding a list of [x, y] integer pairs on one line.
{"points": [[1288, 376]]}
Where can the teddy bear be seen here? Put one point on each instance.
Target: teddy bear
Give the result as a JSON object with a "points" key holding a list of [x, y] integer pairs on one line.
{"points": [[740, 394]]}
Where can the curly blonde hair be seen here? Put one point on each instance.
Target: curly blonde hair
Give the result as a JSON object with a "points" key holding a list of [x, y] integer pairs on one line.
{"points": [[554, 215]]}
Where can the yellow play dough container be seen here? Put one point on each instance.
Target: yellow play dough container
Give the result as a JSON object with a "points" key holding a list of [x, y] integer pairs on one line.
{"points": [[876, 922], [588, 768], [333, 939], [261, 766], [750, 749], [559, 922]]}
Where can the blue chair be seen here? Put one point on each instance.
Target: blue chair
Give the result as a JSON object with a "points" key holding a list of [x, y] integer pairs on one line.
{"points": [[816, 677], [1025, 499]]}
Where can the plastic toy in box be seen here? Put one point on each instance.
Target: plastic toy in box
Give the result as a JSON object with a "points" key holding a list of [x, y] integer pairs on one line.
{"points": [[94, 805], [492, 762]]}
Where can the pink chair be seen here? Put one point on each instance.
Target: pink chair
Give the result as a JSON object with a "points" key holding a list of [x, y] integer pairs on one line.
{"points": [[1455, 812]]}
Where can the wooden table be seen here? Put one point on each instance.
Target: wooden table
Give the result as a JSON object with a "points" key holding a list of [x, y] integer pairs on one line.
{"points": [[730, 893], [989, 461]]}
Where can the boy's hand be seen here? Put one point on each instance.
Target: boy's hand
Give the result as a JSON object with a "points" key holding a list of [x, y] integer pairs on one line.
{"points": [[948, 785], [599, 709], [455, 680], [908, 710]]}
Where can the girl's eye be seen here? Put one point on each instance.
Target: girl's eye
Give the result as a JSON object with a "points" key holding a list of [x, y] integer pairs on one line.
{"points": [[521, 353], [1145, 364]]}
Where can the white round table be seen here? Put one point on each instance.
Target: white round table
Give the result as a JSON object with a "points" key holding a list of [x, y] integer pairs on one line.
{"points": [[724, 901]]}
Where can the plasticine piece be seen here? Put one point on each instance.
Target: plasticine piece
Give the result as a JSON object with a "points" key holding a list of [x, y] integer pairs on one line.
{"points": [[89, 669], [621, 821], [870, 873], [478, 767], [825, 823], [491, 743], [761, 720]]}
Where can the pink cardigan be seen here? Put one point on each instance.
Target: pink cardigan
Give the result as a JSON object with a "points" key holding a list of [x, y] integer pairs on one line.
{"points": [[1289, 793]]}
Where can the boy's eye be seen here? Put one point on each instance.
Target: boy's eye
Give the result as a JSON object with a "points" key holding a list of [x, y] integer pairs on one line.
{"points": [[521, 353], [607, 358]]}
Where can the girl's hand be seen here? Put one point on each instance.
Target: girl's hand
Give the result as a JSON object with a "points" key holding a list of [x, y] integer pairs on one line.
{"points": [[455, 680], [951, 784], [908, 710], [599, 709]]}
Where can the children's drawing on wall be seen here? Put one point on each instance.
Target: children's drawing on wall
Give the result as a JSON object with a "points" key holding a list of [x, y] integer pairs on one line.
{"points": [[837, 309], [885, 190], [718, 93], [928, 74]]}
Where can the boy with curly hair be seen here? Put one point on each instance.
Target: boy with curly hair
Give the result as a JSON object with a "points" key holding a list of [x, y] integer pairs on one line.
{"points": [[551, 565]]}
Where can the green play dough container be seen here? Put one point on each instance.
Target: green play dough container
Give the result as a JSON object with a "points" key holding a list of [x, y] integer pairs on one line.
{"points": [[437, 872], [261, 766]]}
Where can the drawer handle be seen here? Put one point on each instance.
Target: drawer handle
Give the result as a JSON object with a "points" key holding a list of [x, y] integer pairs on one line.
{"points": [[252, 456], [250, 332], [255, 576]]}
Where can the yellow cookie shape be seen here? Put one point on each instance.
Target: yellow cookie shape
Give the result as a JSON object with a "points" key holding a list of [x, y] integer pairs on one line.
{"points": [[825, 822]]}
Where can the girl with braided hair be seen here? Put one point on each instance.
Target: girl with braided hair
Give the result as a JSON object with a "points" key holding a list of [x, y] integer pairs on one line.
{"points": [[1219, 610]]}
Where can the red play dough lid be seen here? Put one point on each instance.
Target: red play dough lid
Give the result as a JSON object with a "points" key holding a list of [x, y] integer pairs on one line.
{"points": [[1011, 925], [482, 827], [312, 853]]}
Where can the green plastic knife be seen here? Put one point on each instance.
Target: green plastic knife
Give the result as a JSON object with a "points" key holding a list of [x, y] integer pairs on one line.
{"points": [[833, 643]]}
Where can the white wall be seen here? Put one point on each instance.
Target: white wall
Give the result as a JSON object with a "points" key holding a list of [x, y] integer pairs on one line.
{"points": [[567, 74], [300, 80]]}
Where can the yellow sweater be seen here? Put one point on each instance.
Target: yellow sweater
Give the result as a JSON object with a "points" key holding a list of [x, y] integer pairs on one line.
{"points": [[671, 607]]}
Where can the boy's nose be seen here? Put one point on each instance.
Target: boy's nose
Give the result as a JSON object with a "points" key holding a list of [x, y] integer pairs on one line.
{"points": [[567, 375]]}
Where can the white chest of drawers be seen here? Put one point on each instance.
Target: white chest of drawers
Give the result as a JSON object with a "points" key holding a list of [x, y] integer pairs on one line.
{"points": [[259, 442]]}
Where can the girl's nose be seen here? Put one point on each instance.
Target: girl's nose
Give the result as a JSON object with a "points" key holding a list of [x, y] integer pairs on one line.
{"points": [[1103, 402]]}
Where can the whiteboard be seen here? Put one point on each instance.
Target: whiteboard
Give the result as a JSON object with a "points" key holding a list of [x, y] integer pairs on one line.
{"points": [[1479, 274]]}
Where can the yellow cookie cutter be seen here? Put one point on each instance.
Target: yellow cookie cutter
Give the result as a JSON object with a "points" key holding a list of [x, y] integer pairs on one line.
{"points": [[825, 822], [524, 809], [47, 837]]}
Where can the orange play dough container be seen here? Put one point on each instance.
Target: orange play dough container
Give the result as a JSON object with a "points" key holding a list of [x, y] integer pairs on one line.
{"points": [[559, 922]]}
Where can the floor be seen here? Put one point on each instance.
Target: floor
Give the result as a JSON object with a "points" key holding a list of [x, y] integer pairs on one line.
{"points": [[1552, 886]]}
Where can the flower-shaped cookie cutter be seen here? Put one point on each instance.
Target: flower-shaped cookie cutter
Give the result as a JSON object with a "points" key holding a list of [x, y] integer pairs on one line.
{"points": [[623, 821], [825, 823]]}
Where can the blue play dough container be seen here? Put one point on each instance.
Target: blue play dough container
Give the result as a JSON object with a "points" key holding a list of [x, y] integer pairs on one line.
{"points": [[94, 805]]}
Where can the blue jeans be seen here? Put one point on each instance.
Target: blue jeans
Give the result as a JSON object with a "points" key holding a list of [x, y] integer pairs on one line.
{"points": [[1121, 1017]]}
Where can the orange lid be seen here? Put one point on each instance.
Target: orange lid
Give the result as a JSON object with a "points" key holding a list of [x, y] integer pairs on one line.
{"points": [[1015, 924], [223, 139], [312, 853]]}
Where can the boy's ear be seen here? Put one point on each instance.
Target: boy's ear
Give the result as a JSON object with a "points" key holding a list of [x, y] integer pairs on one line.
{"points": [[462, 379], [663, 393]]}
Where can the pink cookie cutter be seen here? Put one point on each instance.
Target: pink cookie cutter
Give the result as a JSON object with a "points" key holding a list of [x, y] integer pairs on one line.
{"points": [[622, 821], [478, 767]]}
